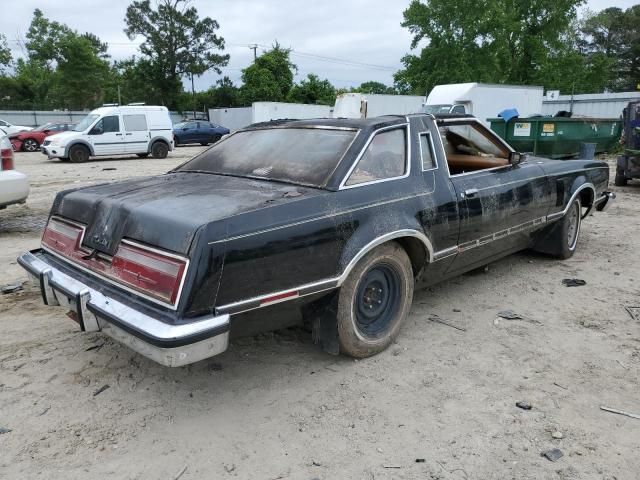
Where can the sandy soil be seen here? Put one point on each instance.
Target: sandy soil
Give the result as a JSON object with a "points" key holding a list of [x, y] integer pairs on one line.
{"points": [[440, 404]]}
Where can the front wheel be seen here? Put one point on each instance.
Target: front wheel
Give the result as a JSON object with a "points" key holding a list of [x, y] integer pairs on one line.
{"points": [[568, 231], [374, 301], [159, 150], [79, 154], [30, 145]]}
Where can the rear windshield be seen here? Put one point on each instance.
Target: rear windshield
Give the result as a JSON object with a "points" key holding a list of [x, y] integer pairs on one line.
{"points": [[306, 156]]}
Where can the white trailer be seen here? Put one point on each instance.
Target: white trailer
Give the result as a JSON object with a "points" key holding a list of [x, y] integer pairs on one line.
{"points": [[364, 105], [484, 100]]}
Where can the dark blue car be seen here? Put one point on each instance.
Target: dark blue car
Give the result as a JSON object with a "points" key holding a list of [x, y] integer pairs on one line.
{"points": [[198, 131]]}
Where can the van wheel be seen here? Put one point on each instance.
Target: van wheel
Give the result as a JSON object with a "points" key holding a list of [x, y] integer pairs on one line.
{"points": [[374, 301], [159, 150], [79, 154]]}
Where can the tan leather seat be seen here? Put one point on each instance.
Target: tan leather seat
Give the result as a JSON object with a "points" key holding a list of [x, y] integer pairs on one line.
{"points": [[464, 162]]}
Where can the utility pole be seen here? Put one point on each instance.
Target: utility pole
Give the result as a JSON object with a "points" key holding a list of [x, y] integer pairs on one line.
{"points": [[119, 99], [254, 47], [193, 95]]}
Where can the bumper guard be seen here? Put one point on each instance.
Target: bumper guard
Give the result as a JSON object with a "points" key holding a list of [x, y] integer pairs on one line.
{"points": [[168, 344]]}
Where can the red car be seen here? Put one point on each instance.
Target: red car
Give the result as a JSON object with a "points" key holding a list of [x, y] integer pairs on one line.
{"points": [[31, 140]]}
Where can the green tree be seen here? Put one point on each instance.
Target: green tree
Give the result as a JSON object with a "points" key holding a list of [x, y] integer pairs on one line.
{"points": [[373, 87], [483, 40], [269, 78], [312, 90], [5, 53], [177, 42], [63, 68], [612, 37]]}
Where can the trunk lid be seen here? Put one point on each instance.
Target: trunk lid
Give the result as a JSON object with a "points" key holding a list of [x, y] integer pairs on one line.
{"points": [[166, 211]]}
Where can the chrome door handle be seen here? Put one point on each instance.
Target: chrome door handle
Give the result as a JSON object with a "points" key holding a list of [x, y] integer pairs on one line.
{"points": [[470, 192]]}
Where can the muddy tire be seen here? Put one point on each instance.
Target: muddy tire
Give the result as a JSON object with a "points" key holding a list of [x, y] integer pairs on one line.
{"points": [[159, 150], [374, 301], [620, 180], [79, 154], [30, 145], [567, 231]]}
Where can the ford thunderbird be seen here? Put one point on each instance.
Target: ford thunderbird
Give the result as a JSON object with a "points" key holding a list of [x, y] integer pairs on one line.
{"points": [[337, 219]]}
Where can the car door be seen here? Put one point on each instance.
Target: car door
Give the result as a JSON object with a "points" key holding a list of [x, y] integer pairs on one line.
{"points": [[189, 132], [136, 133], [106, 136], [498, 206]]}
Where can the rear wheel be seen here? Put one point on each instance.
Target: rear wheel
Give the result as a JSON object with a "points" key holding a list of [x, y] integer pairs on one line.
{"points": [[79, 154], [30, 145], [176, 140], [620, 180], [374, 301], [159, 150]]}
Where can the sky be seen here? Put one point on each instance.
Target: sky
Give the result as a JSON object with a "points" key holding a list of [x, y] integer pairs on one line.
{"points": [[347, 42]]}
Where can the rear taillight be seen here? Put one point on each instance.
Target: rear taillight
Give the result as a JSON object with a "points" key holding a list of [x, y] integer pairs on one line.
{"points": [[6, 154], [152, 272]]}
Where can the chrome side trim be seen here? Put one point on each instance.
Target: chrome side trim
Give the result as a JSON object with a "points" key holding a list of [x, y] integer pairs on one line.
{"points": [[321, 217], [563, 212], [407, 128], [324, 285]]}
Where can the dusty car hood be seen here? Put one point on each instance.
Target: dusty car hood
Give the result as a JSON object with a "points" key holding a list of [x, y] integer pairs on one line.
{"points": [[166, 211]]}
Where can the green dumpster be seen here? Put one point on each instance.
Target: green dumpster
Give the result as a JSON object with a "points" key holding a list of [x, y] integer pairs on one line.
{"points": [[557, 137]]}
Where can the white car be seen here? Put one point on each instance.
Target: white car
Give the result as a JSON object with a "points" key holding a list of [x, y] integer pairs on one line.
{"points": [[10, 129], [115, 130], [14, 186]]}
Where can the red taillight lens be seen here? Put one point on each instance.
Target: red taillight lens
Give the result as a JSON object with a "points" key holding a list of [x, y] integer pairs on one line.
{"points": [[150, 271], [62, 237], [6, 154]]}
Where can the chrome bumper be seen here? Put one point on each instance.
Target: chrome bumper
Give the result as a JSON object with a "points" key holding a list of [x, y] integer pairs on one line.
{"points": [[167, 344], [603, 202]]}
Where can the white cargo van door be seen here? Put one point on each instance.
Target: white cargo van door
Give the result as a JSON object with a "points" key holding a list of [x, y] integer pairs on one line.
{"points": [[136, 133], [106, 136]]}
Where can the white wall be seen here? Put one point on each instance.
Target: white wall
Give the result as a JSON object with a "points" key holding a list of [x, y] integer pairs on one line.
{"points": [[597, 105], [361, 105], [266, 111], [232, 118]]}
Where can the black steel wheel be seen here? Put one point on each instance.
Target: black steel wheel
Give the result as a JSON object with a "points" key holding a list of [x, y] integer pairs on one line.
{"points": [[159, 150], [30, 145], [79, 154], [374, 301]]}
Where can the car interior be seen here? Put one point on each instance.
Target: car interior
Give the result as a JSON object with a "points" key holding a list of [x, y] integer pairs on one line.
{"points": [[469, 149]]}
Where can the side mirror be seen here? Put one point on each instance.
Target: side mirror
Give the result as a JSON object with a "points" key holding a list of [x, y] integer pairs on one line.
{"points": [[95, 131], [516, 158], [47, 132], [185, 128]]}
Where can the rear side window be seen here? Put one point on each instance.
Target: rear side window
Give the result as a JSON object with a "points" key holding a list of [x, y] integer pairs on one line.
{"points": [[135, 123], [385, 157], [110, 124], [426, 152]]}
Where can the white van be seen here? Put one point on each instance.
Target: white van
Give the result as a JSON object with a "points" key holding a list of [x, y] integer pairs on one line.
{"points": [[115, 130]]}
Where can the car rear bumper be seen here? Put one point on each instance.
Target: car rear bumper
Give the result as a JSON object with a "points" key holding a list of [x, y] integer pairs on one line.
{"points": [[14, 187], [168, 344]]}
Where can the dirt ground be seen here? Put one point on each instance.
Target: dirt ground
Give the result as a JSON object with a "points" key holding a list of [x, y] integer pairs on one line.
{"points": [[440, 404]]}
